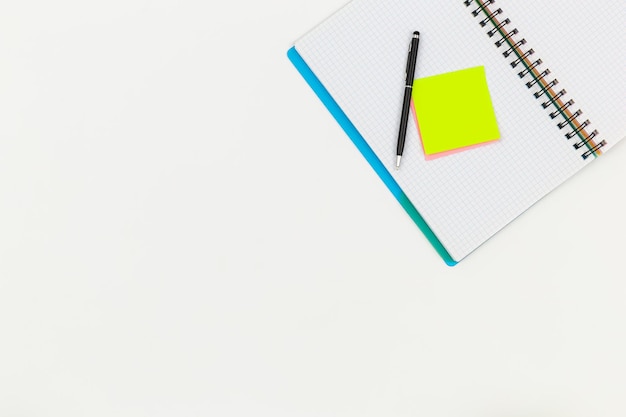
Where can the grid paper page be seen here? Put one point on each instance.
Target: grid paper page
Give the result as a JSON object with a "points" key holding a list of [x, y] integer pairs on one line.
{"points": [[588, 58], [359, 54]]}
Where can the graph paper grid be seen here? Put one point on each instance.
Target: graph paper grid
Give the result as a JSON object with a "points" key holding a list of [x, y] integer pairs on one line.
{"points": [[359, 54]]}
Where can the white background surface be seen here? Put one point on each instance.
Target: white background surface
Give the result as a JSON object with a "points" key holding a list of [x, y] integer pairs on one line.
{"points": [[186, 231]]}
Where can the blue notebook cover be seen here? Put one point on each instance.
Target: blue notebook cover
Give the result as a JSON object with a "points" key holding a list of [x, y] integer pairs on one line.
{"points": [[366, 151]]}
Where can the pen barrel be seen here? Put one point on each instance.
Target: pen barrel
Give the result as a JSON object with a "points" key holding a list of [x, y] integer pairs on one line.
{"points": [[408, 89], [404, 121], [412, 61]]}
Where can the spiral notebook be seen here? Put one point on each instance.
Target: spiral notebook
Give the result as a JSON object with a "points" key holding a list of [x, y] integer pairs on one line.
{"points": [[557, 77]]}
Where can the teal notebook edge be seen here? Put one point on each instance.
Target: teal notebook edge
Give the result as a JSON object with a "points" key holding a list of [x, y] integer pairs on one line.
{"points": [[333, 107]]}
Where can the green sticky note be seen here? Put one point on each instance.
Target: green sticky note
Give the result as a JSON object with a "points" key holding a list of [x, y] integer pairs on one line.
{"points": [[454, 111]]}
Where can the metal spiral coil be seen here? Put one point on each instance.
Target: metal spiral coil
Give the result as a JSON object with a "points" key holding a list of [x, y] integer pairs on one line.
{"points": [[544, 86]]}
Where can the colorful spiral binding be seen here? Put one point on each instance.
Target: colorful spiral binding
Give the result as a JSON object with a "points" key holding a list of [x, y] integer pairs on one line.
{"points": [[522, 58]]}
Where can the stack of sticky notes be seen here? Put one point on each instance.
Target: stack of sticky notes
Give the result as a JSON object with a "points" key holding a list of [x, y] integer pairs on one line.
{"points": [[454, 112]]}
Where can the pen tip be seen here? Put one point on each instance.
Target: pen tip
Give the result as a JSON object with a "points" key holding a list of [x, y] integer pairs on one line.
{"points": [[398, 158], [416, 34]]}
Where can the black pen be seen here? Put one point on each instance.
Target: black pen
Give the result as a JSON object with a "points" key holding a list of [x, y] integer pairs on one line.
{"points": [[408, 89]]}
